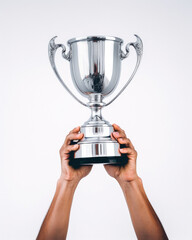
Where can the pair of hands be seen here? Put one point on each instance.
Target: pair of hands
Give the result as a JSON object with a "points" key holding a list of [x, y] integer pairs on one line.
{"points": [[125, 173]]}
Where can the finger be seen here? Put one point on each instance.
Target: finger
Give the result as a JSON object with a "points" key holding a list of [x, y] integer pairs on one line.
{"points": [[117, 128], [117, 135], [73, 136], [126, 150], [112, 136], [70, 148], [126, 141], [75, 130]]}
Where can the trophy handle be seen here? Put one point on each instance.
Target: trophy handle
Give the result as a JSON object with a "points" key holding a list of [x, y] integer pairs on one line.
{"points": [[138, 45], [52, 48]]}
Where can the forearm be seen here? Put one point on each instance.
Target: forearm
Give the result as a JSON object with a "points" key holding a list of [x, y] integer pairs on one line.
{"points": [[55, 224], [144, 219]]}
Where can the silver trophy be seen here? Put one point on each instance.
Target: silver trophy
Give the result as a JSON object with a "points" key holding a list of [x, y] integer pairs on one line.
{"points": [[95, 63]]}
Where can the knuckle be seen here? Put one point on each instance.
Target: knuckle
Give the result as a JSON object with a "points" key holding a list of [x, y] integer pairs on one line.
{"points": [[130, 150], [68, 135], [61, 151], [72, 131], [69, 148]]}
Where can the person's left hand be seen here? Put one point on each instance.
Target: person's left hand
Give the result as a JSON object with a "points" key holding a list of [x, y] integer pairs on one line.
{"points": [[68, 172], [126, 173]]}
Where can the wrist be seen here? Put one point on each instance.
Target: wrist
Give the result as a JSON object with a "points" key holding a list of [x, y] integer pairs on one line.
{"points": [[127, 177], [62, 181], [127, 184]]}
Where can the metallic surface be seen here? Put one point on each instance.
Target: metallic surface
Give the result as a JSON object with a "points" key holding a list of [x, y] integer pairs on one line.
{"points": [[52, 48], [95, 64], [94, 38], [97, 142], [98, 149], [138, 46]]}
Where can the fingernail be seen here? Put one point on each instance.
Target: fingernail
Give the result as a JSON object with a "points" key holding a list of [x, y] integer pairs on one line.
{"points": [[75, 146], [116, 133]]}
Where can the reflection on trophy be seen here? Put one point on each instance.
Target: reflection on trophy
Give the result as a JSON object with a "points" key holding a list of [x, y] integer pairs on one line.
{"points": [[95, 64]]}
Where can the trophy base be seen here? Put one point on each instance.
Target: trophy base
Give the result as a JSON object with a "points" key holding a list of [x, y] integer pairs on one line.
{"points": [[116, 160], [97, 146]]}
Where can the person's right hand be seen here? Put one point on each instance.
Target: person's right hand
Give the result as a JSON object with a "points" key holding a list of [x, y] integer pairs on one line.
{"points": [[68, 172]]}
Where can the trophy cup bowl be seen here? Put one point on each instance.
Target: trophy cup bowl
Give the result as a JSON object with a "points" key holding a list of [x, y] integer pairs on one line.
{"points": [[95, 64]]}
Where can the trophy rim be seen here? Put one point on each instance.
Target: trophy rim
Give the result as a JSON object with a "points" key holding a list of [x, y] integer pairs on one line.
{"points": [[94, 38]]}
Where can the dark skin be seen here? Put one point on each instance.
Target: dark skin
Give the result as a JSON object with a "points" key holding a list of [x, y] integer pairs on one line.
{"points": [[145, 221]]}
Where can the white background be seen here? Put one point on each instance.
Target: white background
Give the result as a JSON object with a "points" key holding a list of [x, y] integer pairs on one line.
{"points": [[36, 113]]}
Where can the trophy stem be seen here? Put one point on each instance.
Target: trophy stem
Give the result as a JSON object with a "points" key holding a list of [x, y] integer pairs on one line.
{"points": [[96, 114], [95, 104]]}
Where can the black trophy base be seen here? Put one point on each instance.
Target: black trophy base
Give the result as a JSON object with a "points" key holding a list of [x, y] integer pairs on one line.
{"points": [[120, 160]]}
